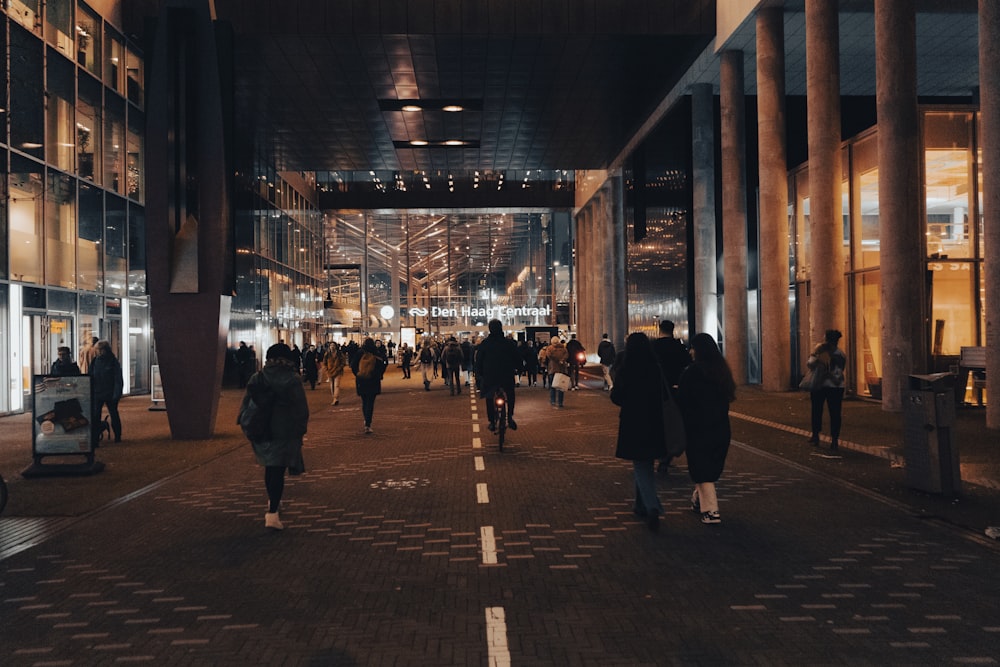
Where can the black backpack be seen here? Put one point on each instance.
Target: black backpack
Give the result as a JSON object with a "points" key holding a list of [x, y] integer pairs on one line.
{"points": [[254, 417]]}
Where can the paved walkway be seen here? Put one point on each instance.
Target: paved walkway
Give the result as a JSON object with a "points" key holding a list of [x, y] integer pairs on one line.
{"points": [[423, 545]]}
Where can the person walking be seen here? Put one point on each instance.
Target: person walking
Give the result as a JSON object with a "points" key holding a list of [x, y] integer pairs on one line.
{"points": [[606, 353], [405, 359], [827, 364], [64, 364], [368, 367], [278, 388], [106, 384], [577, 358], [497, 363], [333, 364], [529, 355], [310, 366], [673, 357], [705, 390], [427, 364], [453, 361], [637, 391], [556, 361]]}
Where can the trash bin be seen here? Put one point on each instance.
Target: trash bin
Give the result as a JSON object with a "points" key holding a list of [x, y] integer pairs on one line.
{"points": [[929, 449]]}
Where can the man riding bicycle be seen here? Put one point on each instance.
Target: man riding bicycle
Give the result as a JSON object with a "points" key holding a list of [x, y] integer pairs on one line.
{"points": [[497, 363]]}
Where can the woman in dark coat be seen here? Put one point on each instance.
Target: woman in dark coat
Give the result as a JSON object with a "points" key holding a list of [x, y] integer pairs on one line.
{"points": [[637, 390], [279, 386], [107, 385], [705, 390], [368, 367]]}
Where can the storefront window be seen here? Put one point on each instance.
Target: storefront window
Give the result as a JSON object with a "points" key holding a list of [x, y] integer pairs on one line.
{"points": [[868, 364], [91, 233], [60, 121], [27, 94], [800, 257], [60, 230], [866, 227], [89, 131], [59, 25], [88, 40], [27, 193], [948, 168]]}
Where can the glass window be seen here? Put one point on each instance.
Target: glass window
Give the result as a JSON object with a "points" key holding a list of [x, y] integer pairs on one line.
{"points": [[114, 145], [89, 131], [60, 121], [802, 231], [3, 213], [59, 25], [88, 40], [90, 258], [28, 13], [948, 170], [115, 269], [114, 61], [952, 305], [136, 251], [60, 230], [27, 94], [868, 378], [26, 205], [135, 171], [135, 77], [866, 228]]}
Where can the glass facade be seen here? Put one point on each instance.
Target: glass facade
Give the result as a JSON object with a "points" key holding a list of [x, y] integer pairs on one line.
{"points": [[72, 256], [953, 220]]}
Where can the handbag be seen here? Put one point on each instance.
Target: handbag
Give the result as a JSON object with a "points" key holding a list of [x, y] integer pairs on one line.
{"points": [[807, 381], [560, 381], [674, 434]]}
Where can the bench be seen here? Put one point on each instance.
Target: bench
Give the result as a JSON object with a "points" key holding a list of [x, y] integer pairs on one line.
{"points": [[973, 360]]}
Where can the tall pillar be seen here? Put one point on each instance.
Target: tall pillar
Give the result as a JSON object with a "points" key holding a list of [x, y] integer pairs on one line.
{"points": [[188, 217], [826, 256], [734, 212], [775, 335], [901, 230], [989, 122], [616, 268], [706, 289]]}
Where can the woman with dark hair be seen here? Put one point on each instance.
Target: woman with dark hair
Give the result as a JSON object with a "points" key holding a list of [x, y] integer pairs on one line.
{"points": [[637, 390], [705, 390], [368, 367], [277, 388], [827, 364]]}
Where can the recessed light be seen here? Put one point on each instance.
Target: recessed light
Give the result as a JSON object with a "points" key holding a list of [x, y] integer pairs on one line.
{"points": [[418, 142], [454, 142], [452, 107], [412, 107]]}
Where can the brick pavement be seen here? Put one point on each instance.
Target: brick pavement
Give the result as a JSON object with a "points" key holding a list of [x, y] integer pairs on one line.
{"points": [[423, 545]]}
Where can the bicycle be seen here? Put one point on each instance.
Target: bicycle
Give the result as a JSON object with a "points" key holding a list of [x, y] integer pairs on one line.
{"points": [[500, 413]]}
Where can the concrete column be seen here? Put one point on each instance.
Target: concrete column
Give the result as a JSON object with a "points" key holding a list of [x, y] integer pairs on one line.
{"points": [[607, 261], [706, 289], [775, 336], [989, 123], [826, 256], [619, 293], [901, 227], [734, 212]]}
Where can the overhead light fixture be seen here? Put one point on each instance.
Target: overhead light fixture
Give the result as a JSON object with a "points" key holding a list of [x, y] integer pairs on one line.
{"points": [[453, 108], [418, 142], [449, 105]]}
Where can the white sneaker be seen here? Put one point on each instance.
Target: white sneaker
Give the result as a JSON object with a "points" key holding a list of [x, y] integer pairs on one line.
{"points": [[368, 429], [272, 521]]}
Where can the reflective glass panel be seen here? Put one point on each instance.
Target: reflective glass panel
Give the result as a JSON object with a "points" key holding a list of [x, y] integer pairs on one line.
{"points": [[135, 160], [114, 61], [88, 40], [27, 93], [116, 229], [89, 131], [60, 119], [114, 145], [948, 169], [60, 230], [866, 227], [136, 251], [26, 12], [868, 378], [135, 77], [27, 194], [59, 25], [91, 233]]}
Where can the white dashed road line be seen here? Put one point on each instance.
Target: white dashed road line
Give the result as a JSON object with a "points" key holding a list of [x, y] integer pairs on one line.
{"points": [[489, 545], [496, 637]]}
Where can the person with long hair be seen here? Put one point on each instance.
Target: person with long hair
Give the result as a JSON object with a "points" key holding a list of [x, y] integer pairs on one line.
{"points": [[368, 367], [705, 390], [637, 390]]}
